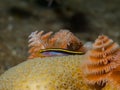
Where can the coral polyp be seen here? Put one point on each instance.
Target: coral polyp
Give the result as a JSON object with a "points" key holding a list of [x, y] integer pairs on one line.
{"points": [[37, 42], [67, 40], [102, 60]]}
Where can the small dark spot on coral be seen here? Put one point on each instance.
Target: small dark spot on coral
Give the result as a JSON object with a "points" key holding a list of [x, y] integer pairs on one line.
{"points": [[108, 62]]}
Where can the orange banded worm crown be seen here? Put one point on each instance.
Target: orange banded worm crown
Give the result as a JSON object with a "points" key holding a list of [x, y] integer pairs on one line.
{"points": [[102, 60]]}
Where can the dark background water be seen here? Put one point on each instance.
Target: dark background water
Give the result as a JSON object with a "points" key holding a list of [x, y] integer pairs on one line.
{"points": [[85, 18]]}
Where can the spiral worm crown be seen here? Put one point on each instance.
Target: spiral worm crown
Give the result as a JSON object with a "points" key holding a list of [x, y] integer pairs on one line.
{"points": [[102, 60]]}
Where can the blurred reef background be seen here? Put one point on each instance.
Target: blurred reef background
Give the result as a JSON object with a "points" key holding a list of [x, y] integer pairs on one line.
{"points": [[85, 18]]}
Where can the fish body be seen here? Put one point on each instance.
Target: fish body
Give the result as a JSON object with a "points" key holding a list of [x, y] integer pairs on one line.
{"points": [[58, 52]]}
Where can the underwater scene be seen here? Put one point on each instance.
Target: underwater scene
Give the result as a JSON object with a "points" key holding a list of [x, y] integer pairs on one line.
{"points": [[59, 45]]}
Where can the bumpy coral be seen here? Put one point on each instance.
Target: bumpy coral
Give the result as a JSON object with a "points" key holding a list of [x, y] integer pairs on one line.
{"points": [[102, 60], [53, 73], [63, 39]]}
